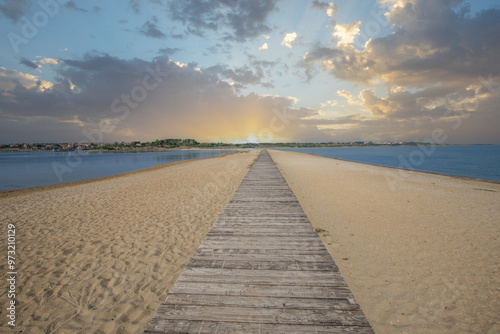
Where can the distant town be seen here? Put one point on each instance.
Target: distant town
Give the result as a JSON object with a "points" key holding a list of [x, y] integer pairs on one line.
{"points": [[169, 144]]}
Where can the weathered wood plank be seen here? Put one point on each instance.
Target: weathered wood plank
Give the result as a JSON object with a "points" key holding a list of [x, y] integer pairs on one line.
{"points": [[312, 245], [263, 315], [262, 302], [267, 251], [262, 268], [261, 290], [245, 276], [264, 257], [269, 239], [264, 265], [204, 327]]}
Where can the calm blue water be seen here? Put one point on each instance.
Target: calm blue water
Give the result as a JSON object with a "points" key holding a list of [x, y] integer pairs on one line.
{"points": [[20, 170], [475, 161]]}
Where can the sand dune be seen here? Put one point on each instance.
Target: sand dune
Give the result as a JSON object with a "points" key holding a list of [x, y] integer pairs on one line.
{"points": [[100, 256], [419, 251]]}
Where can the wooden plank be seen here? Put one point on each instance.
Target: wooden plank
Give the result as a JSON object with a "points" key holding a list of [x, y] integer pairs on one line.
{"points": [[262, 268], [262, 229], [262, 302], [204, 327], [246, 276], [261, 290], [267, 251], [237, 243], [263, 315], [269, 239], [264, 257], [264, 265]]}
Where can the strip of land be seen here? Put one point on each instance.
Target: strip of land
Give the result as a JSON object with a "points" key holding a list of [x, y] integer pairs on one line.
{"points": [[419, 251]]}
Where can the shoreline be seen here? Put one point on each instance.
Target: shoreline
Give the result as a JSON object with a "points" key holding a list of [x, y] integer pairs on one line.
{"points": [[418, 256], [18, 192], [397, 168]]}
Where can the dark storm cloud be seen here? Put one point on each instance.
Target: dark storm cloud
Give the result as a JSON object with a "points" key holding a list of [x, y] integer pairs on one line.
{"points": [[28, 63]]}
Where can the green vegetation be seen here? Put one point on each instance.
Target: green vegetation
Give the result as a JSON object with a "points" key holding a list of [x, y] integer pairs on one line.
{"points": [[174, 143]]}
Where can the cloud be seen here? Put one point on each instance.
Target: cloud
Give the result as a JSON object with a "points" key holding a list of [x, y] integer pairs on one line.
{"points": [[264, 47], [135, 5], [190, 102], [38, 63], [242, 76], [345, 33], [439, 65], [237, 20], [50, 61], [10, 80], [289, 39], [430, 43], [28, 63], [322, 5], [463, 116], [150, 29], [168, 51], [331, 8], [186, 102], [72, 5], [15, 9]]}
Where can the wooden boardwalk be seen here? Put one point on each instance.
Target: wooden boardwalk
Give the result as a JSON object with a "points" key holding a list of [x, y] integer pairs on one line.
{"points": [[261, 269]]}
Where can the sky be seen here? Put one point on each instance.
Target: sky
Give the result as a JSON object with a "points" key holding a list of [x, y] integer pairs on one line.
{"points": [[250, 71]]}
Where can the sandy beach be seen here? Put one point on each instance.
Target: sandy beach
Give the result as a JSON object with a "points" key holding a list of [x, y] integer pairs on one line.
{"points": [[100, 256], [419, 251]]}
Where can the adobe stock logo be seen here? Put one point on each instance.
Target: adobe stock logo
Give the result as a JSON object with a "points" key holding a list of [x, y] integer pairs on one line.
{"points": [[30, 27]]}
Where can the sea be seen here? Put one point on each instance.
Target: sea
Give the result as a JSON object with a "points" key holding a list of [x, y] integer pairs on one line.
{"points": [[19, 170], [469, 161]]}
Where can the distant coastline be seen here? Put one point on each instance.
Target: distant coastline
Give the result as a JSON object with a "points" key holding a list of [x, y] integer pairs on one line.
{"points": [[184, 144]]}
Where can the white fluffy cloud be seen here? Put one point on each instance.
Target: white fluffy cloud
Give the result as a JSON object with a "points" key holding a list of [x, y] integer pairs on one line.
{"points": [[264, 47], [289, 39], [50, 61], [346, 33], [332, 9], [10, 79]]}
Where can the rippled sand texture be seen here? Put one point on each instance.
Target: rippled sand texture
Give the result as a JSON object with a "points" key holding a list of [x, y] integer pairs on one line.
{"points": [[99, 257], [419, 251]]}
